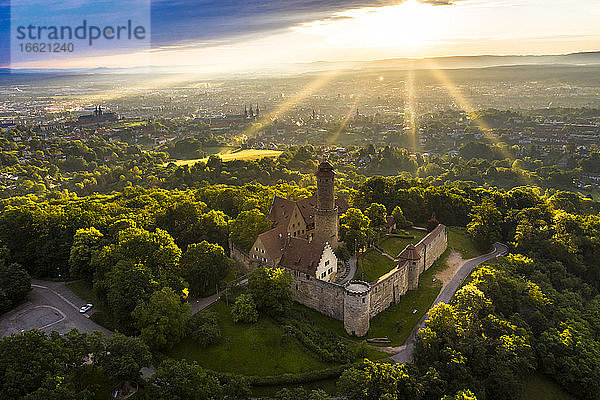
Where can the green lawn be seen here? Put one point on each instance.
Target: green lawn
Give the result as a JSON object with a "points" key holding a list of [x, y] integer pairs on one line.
{"points": [[459, 240], [86, 292], [394, 245], [398, 320], [253, 350], [540, 387], [371, 265]]}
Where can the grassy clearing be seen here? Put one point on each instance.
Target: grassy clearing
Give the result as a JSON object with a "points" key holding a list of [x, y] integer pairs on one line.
{"points": [[246, 155], [253, 350], [85, 291], [541, 387], [259, 349], [210, 150], [371, 265], [394, 245], [459, 240], [398, 321]]}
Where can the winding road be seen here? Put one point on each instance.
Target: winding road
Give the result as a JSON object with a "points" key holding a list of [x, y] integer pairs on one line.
{"points": [[405, 352]]}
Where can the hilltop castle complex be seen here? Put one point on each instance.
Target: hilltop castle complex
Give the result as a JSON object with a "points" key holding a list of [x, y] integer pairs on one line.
{"points": [[305, 233]]}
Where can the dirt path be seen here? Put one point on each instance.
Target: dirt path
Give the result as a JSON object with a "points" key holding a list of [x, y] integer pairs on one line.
{"points": [[454, 262]]}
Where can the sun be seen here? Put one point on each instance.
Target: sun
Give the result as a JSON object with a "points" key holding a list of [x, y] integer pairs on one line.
{"points": [[406, 25]]}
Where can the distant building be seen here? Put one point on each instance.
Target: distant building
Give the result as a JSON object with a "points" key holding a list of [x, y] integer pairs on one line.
{"points": [[98, 116]]}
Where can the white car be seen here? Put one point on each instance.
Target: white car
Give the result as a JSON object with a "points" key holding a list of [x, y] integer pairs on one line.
{"points": [[85, 308]]}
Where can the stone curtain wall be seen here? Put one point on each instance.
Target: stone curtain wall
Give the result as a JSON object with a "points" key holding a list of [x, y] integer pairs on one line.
{"points": [[388, 289], [240, 256], [432, 246], [330, 298], [325, 297]]}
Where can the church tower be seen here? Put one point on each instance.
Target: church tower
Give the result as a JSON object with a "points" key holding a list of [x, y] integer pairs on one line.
{"points": [[326, 213]]}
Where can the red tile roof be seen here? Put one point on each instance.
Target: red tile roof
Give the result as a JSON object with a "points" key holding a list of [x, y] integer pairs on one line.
{"points": [[301, 255], [274, 241], [281, 209], [410, 253]]}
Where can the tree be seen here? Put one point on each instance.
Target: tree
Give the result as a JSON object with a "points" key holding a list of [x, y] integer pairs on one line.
{"points": [[123, 357], [432, 223], [236, 387], [244, 309], [162, 319], [380, 381], [376, 214], [203, 266], [271, 289], [462, 395], [179, 219], [85, 243], [127, 272], [15, 284], [203, 328], [355, 229], [400, 219], [36, 364], [301, 394], [246, 228], [486, 224], [182, 380]]}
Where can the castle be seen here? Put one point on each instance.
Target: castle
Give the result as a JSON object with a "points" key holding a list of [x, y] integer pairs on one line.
{"points": [[302, 240]]}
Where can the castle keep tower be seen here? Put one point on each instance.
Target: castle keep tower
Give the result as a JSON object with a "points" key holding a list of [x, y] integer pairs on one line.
{"points": [[326, 213]]}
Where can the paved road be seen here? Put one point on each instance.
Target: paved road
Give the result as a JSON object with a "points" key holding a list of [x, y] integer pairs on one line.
{"points": [[405, 352], [351, 272], [50, 307]]}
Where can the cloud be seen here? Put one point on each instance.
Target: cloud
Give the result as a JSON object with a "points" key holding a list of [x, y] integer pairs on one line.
{"points": [[181, 20], [177, 21]]}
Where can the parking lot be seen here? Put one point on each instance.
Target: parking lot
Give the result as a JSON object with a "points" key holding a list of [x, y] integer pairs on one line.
{"points": [[50, 307]]}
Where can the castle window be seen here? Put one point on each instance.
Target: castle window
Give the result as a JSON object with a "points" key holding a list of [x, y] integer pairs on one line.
{"points": [[327, 263], [296, 286], [363, 300]]}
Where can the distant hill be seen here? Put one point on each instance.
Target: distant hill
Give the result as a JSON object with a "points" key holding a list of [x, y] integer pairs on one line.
{"points": [[459, 62], [453, 62]]}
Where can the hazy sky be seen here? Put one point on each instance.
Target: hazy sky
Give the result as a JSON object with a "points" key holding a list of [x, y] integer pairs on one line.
{"points": [[225, 35]]}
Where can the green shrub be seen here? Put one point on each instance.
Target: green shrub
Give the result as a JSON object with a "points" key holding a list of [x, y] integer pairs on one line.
{"points": [[325, 345], [204, 329], [244, 310]]}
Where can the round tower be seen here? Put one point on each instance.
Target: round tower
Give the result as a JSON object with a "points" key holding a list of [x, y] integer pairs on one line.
{"points": [[357, 305], [326, 212]]}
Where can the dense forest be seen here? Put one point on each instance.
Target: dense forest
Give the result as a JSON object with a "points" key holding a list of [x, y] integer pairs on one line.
{"points": [[44, 166], [144, 249]]}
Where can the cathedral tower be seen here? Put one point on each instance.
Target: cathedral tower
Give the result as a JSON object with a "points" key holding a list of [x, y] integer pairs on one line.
{"points": [[326, 213]]}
